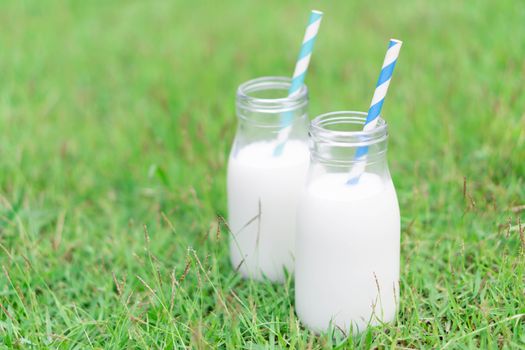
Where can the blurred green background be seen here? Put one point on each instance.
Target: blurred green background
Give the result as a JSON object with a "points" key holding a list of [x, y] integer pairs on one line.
{"points": [[116, 118]]}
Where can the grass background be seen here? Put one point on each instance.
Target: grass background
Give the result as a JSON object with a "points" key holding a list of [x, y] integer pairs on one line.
{"points": [[119, 115]]}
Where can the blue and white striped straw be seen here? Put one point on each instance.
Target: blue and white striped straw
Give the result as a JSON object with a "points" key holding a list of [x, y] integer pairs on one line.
{"points": [[306, 52], [301, 67], [392, 53]]}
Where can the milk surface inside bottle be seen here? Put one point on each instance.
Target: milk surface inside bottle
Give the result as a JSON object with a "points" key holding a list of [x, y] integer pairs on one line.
{"points": [[347, 253], [263, 186]]}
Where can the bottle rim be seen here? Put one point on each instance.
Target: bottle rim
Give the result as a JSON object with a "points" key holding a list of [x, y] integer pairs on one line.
{"points": [[246, 98], [346, 128]]}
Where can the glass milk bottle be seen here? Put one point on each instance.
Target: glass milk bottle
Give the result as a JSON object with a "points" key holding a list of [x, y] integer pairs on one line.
{"points": [[347, 252], [264, 184]]}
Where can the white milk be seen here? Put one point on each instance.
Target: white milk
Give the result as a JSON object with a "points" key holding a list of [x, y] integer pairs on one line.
{"points": [[260, 182], [347, 249]]}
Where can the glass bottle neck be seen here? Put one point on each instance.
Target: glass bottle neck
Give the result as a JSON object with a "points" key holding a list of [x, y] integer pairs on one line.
{"points": [[264, 102], [264, 109], [339, 144]]}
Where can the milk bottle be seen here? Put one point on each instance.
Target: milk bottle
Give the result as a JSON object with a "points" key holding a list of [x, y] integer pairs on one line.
{"points": [[347, 253], [263, 188]]}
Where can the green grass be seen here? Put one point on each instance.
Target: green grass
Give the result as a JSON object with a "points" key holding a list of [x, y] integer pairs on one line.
{"points": [[116, 116]]}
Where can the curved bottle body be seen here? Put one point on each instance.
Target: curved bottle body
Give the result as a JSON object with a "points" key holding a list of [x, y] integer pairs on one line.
{"points": [[347, 254], [263, 187]]}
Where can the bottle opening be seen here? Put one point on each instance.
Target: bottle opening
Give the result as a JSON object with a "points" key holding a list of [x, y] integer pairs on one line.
{"points": [[270, 95], [346, 128]]}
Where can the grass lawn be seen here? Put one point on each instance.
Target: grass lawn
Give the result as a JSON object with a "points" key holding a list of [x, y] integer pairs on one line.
{"points": [[116, 119]]}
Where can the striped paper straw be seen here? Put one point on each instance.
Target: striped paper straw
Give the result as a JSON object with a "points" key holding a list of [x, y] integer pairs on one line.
{"points": [[392, 53], [301, 67]]}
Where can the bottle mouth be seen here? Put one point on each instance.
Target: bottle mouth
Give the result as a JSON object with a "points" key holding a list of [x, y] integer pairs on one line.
{"points": [[345, 128], [270, 95]]}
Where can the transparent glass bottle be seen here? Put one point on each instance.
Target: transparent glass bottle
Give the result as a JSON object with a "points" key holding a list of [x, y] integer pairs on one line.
{"points": [[347, 251], [264, 185]]}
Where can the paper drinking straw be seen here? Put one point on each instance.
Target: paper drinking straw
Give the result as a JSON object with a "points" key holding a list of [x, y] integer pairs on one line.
{"points": [[301, 67], [392, 53]]}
